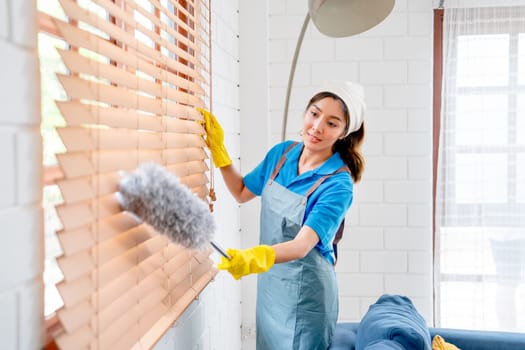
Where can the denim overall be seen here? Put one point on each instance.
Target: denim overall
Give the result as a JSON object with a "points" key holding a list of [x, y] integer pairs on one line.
{"points": [[297, 301]]}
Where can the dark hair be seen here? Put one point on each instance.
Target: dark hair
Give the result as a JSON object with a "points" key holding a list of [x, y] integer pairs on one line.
{"points": [[349, 148]]}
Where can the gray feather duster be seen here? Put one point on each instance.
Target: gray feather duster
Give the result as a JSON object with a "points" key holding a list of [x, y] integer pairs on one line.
{"points": [[158, 198]]}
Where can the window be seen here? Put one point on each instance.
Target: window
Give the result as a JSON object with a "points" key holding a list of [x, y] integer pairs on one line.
{"points": [[120, 83], [480, 202]]}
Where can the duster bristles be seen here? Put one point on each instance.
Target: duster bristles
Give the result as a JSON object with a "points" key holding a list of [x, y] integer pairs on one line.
{"points": [[158, 198]]}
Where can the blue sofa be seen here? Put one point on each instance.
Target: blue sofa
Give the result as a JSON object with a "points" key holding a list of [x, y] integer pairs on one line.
{"points": [[393, 322], [346, 333]]}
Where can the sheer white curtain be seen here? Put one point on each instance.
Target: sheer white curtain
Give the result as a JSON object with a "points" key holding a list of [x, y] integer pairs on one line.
{"points": [[480, 197]]}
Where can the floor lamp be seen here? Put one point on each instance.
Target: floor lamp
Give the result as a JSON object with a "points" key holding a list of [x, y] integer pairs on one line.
{"points": [[337, 19]]}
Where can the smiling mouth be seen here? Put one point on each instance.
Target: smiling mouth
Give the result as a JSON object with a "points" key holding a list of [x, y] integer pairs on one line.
{"points": [[313, 138]]}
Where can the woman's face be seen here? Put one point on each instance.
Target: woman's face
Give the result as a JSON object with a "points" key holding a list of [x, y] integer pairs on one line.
{"points": [[324, 123]]}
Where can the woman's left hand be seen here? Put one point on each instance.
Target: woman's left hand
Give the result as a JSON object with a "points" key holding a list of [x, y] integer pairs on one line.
{"points": [[215, 139]]}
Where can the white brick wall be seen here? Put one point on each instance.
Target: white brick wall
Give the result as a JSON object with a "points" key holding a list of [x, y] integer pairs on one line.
{"points": [[21, 252], [10, 311], [7, 177], [4, 23]]}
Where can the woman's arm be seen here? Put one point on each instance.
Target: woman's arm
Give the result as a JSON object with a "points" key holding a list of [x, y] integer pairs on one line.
{"points": [[297, 248], [261, 258], [235, 184]]}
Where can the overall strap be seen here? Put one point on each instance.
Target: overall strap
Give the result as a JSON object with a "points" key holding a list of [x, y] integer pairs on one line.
{"points": [[281, 161], [321, 180], [339, 233], [340, 229]]}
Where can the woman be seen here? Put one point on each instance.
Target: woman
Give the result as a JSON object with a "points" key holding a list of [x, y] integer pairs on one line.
{"points": [[306, 189]]}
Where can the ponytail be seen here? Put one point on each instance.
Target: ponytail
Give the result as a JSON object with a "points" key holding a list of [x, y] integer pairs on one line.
{"points": [[350, 150]]}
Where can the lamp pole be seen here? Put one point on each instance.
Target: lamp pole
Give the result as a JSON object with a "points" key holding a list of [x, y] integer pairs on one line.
{"points": [[292, 73], [337, 19]]}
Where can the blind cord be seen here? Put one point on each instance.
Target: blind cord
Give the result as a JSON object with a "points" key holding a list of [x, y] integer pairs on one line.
{"points": [[212, 195]]}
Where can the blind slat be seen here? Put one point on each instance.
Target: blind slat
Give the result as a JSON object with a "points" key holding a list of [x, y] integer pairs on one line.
{"points": [[78, 88], [77, 13], [177, 20], [112, 248], [173, 156], [150, 287], [175, 36], [145, 295], [180, 291], [75, 241], [80, 114], [78, 63], [129, 20], [80, 189], [77, 340], [77, 139], [106, 261], [155, 332], [178, 266], [132, 322], [189, 168], [80, 38], [88, 164], [76, 291], [108, 205], [123, 263], [88, 187], [110, 289], [72, 318], [76, 215], [106, 265], [82, 336]]}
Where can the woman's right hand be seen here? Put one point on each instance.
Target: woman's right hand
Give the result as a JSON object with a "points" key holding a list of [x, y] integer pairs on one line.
{"points": [[257, 259]]}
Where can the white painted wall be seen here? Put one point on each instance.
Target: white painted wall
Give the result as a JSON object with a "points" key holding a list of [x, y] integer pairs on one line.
{"points": [[21, 251], [255, 135]]}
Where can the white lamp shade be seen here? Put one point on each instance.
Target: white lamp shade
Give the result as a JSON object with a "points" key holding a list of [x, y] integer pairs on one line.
{"points": [[341, 18]]}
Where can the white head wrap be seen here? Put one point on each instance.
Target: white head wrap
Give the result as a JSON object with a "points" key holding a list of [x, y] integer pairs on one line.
{"points": [[353, 96]]}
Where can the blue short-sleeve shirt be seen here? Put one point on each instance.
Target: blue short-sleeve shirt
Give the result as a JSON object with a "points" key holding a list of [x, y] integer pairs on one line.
{"points": [[326, 206]]}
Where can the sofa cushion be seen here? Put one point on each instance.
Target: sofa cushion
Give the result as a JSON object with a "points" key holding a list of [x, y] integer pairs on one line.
{"points": [[393, 317], [384, 344]]}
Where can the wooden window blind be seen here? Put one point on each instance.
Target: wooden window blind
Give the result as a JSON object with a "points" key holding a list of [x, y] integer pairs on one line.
{"points": [[136, 71]]}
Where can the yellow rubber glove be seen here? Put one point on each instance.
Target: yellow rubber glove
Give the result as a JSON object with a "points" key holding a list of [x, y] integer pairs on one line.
{"points": [[215, 139], [438, 343], [244, 262]]}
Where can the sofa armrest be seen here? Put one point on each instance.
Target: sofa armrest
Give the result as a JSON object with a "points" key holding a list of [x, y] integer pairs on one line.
{"points": [[481, 340], [345, 336]]}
